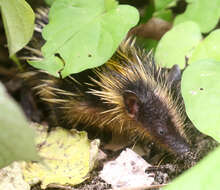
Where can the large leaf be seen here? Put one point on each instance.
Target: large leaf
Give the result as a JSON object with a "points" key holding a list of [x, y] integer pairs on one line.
{"points": [[18, 19], [208, 48], [163, 4], [67, 158], [205, 175], [177, 43], [16, 137], [201, 92], [84, 34], [205, 13]]}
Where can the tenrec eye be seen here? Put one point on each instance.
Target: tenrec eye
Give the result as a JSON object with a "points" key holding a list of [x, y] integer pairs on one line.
{"points": [[161, 131]]}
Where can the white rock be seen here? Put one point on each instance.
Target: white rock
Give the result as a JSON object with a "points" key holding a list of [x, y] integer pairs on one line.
{"points": [[128, 170]]}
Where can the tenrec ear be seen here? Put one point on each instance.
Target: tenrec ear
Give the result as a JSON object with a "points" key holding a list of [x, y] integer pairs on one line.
{"points": [[174, 75], [132, 103]]}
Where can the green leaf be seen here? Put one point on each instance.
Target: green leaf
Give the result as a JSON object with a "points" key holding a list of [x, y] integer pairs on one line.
{"points": [[85, 34], [203, 176], [201, 90], [53, 65], [148, 13], [16, 137], [49, 2], [208, 48], [163, 4], [18, 19], [205, 13], [166, 15], [110, 4], [177, 43], [162, 9], [147, 43]]}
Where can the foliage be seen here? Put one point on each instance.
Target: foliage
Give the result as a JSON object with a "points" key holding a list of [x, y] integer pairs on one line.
{"points": [[16, 137], [204, 12], [208, 48], [203, 176], [200, 87], [200, 90], [18, 19], [93, 38], [49, 2], [177, 43], [68, 165], [164, 4], [83, 34], [162, 9]]}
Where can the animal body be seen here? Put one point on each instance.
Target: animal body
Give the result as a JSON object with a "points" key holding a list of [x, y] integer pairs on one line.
{"points": [[129, 94]]}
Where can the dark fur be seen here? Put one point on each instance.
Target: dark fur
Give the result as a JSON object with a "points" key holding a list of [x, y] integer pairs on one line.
{"points": [[129, 94]]}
